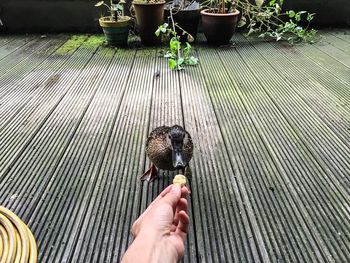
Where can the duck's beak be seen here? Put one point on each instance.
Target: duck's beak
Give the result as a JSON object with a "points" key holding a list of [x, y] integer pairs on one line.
{"points": [[178, 159]]}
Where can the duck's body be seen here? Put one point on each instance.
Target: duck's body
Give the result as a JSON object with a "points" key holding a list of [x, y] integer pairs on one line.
{"points": [[168, 148]]}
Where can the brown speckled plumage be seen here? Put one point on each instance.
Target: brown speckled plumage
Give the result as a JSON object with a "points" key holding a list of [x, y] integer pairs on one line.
{"points": [[159, 149]]}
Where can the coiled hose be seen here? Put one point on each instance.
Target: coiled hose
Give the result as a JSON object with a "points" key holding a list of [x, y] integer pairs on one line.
{"points": [[17, 243]]}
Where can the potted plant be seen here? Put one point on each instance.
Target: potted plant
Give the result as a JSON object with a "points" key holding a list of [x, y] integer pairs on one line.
{"points": [[219, 21], [116, 26], [186, 14], [265, 17], [149, 15]]}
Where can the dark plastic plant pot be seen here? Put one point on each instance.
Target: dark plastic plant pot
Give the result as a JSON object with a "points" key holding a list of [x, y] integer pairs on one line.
{"points": [[186, 19], [148, 17], [219, 28], [116, 32]]}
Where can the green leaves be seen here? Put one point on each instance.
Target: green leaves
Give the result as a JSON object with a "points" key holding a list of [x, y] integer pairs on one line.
{"points": [[190, 38], [291, 13], [172, 63], [259, 3], [120, 7], [272, 2], [192, 61], [174, 45], [99, 3], [162, 29], [180, 61], [110, 10], [251, 31], [242, 22], [187, 49], [265, 17], [177, 55], [296, 16], [310, 17], [157, 33], [169, 55]]}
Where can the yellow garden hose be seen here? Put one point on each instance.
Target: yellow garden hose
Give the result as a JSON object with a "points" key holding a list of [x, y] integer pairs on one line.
{"points": [[17, 243]]}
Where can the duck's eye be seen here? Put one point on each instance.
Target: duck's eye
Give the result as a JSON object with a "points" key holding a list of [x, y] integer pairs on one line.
{"points": [[170, 137]]}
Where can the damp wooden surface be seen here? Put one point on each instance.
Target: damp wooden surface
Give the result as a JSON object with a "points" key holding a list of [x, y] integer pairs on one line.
{"points": [[270, 123]]}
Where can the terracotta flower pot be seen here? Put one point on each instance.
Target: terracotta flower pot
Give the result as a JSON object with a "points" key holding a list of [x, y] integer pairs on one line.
{"points": [[148, 17], [219, 28]]}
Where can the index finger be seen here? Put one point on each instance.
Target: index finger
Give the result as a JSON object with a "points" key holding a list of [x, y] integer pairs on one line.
{"points": [[162, 194], [184, 194]]}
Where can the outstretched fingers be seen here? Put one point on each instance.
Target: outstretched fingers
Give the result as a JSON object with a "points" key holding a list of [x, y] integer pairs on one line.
{"points": [[181, 206], [184, 193], [182, 226], [172, 195], [135, 229]]}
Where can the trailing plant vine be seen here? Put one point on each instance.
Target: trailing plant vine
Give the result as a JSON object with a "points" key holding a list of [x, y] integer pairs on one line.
{"points": [[178, 55], [266, 18]]}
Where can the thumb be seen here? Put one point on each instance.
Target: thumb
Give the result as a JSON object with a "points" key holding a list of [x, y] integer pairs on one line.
{"points": [[173, 197]]}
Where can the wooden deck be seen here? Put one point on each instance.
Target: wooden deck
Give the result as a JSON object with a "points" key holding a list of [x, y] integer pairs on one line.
{"points": [[270, 123]]}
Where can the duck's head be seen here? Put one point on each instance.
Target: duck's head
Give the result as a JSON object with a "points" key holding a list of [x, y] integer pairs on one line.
{"points": [[177, 135]]}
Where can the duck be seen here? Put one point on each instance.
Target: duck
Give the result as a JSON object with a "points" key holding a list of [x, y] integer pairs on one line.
{"points": [[168, 148]]}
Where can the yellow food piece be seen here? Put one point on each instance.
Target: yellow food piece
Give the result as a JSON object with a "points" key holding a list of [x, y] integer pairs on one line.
{"points": [[180, 180]]}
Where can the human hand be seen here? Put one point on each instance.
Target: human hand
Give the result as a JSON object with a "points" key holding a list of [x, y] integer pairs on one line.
{"points": [[162, 227]]}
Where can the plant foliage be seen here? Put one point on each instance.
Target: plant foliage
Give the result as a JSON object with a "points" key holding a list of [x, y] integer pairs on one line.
{"points": [[115, 8], [266, 18], [178, 55]]}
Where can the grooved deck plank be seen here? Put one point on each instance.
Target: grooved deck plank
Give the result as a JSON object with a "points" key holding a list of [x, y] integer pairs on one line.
{"points": [[5, 40], [166, 110], [270, 124], [124, 130], [316, 73], [335, 41], [84, 90], [13, 47], [17, 61], [215, 187], [342, 34], [341, 56], [15, 78], [290, 150], [327, 107], [286, 235], [91, 138], [35, 83], [326, 62], [90, 240], [324, 143], [15, 136]]}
